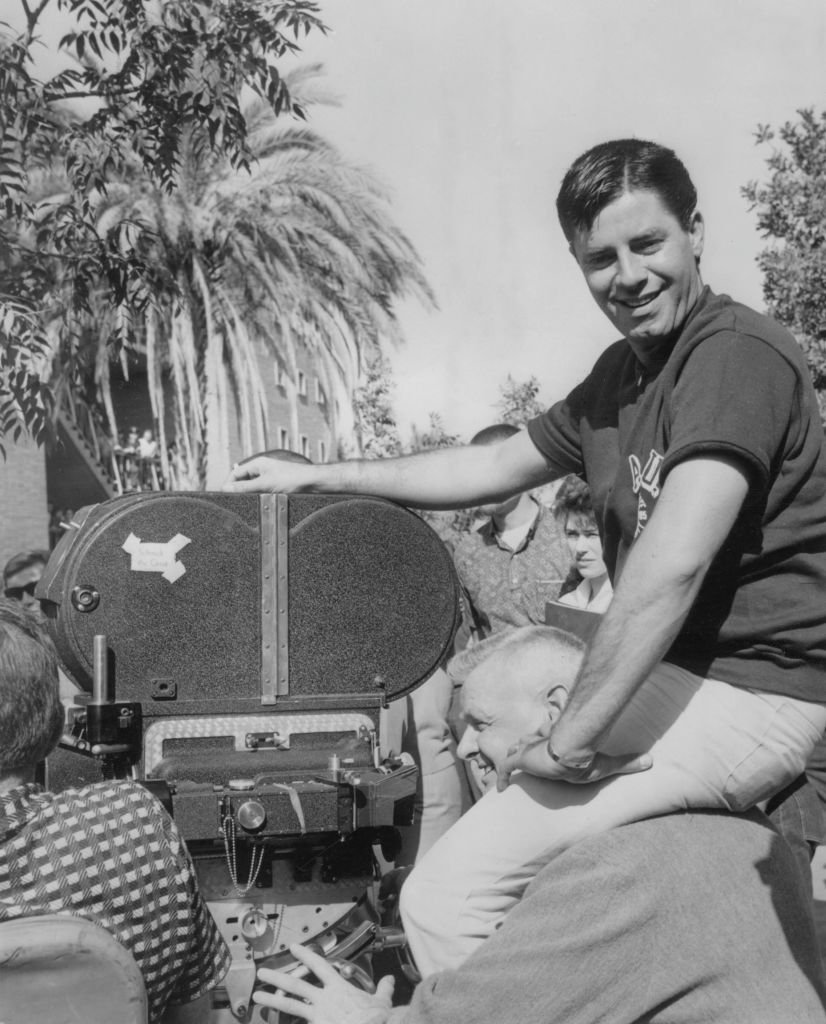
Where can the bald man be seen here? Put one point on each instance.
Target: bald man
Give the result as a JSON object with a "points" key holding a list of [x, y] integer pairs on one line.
{"points": [[516, 686], [461, 891], [685, 917]]}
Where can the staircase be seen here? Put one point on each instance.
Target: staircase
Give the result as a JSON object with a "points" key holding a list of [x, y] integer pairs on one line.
{"points": [[90, 451]]}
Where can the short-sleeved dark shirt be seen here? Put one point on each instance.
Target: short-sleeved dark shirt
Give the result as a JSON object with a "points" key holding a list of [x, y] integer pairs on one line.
{"points": [[732, 383], [111, 854]]}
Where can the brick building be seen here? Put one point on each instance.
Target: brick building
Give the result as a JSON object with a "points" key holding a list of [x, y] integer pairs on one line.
{"points": [[35, 483], [24, 515]]}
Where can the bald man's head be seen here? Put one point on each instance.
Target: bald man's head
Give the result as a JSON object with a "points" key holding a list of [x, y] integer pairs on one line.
{"points": [[519, 689]]}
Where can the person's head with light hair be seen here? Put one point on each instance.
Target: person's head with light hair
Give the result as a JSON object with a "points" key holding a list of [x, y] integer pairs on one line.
{"points": [[514, 685]]}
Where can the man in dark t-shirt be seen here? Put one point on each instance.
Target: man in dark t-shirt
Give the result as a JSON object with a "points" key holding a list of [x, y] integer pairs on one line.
{"points": [[699, 436]]}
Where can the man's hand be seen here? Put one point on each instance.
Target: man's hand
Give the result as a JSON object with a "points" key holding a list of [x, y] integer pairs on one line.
{"points": [[264, 473], [335, 1001], [532, 754]]}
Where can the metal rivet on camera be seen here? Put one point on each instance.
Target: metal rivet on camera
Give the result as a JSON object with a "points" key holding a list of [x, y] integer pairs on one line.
{"points": [[85, 598]]}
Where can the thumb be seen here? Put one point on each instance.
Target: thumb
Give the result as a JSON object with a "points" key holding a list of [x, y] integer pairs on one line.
{"points": [[628, 764], [605, 765], [384, 989]]}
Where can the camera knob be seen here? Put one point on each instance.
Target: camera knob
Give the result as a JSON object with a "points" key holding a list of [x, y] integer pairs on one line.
{"points": [[251, 815], [257, 930]]}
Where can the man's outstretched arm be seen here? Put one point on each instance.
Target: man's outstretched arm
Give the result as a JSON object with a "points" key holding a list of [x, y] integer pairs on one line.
{"points": [[445, 478]]}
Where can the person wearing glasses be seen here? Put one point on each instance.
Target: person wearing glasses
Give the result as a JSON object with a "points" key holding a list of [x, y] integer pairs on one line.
{"points": [[21, 574]]}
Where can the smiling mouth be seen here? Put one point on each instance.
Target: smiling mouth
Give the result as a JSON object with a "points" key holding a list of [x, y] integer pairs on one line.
{"points": [[484, 766], [639, 303]]}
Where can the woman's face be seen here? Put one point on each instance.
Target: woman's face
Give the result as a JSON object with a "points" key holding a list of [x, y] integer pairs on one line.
{"points": [[641, 267], [585, 546]]}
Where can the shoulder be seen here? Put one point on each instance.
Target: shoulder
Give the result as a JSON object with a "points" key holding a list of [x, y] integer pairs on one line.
{"points": [[612, 367], [122, 803], [734, 326], [547, 526], [470, 541]]}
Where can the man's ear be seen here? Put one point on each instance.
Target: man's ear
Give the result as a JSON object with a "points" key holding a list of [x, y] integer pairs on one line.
{"points": [[555, 700], [697, 234]]}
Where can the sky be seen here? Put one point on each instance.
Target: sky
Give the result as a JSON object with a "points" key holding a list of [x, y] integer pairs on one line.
{"points": [[470, 111]]}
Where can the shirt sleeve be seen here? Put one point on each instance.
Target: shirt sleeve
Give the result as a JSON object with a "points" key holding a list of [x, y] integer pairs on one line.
{"points": [[555, 434], [573, 971], [208, 957], [736, 396]]}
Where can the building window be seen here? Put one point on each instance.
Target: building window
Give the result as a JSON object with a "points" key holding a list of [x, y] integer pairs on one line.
{"points": [[302, 384], [280, 376], [320, 397], [322, 451], [305, 447], [283, 438]]}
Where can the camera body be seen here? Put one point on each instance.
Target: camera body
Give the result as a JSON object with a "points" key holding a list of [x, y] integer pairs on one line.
{"points": [[236, 653]]}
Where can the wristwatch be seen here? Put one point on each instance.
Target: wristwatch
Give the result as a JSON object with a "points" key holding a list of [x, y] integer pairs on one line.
{"points": [[580, 765]]}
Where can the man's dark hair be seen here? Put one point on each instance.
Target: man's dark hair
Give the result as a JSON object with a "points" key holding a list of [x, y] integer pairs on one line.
{"points": [[31, 715], [573, 498], [23, 559], [498, 432], [611, 169]]}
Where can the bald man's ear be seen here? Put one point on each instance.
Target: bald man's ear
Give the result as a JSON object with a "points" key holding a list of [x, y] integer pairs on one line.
{"points": [[555, 701]]}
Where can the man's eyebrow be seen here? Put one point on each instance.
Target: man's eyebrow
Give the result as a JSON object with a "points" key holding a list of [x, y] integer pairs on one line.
{"points": [[602, 251], [651, 235]]}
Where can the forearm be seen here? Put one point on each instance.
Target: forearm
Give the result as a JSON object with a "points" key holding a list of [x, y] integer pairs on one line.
{"points": [[448, 478], [663, 573], [638, 629], [441, 479]]}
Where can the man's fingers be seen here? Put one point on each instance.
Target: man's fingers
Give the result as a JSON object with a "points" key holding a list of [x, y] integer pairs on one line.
{"points": [[288, 982], [239, 475], [503, 780], [604, 766], [278, 1001], [321, 968]]}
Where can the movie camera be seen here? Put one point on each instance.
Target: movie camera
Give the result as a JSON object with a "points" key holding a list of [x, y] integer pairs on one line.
{"points": [[236, 653]]}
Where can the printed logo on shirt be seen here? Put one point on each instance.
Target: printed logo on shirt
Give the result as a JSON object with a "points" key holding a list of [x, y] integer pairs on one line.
{"points": [[645, 482]]}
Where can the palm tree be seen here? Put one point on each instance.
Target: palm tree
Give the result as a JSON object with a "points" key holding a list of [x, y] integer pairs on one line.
{"points": [[249, 267]]}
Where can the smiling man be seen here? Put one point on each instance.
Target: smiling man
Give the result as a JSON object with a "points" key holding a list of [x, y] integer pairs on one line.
{"points": [[520, 689], [699, 435]]}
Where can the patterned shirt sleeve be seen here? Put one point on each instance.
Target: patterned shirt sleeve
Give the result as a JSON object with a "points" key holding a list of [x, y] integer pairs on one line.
{"points": [[208, 958]]}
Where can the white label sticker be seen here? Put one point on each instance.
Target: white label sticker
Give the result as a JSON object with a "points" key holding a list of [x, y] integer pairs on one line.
{"points": [[148, 556]]}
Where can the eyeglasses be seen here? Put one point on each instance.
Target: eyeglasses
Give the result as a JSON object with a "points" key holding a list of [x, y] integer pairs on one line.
{"points": [[16, 593]]}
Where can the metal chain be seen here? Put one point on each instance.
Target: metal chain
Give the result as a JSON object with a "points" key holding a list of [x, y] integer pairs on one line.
{"points": [[228, 830]]}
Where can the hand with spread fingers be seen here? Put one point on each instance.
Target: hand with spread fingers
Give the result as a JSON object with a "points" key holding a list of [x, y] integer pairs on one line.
{"points": [[334, 1001], [535, 754]]}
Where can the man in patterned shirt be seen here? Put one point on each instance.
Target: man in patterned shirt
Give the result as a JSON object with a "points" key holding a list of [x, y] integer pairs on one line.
{"points": [[512, 563], [107, 852]]}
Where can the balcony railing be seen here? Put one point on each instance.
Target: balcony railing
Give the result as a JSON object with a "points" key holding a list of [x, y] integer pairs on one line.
{"points": [[119, 469]]}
